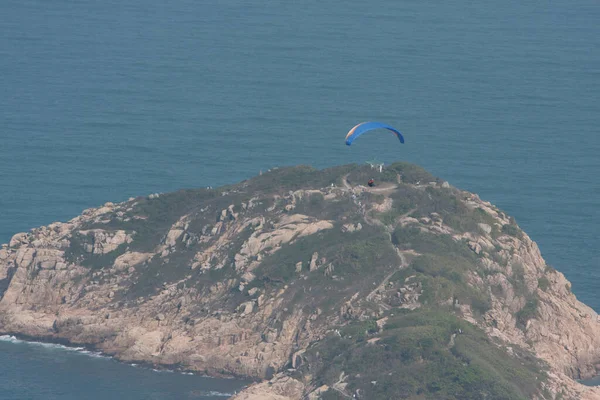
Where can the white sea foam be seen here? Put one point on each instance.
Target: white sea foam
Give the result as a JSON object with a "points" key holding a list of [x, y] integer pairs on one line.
{"points": [[163, 370], [218, 394], [90, 353], [8, 338], [95, 354], [13, 339]]}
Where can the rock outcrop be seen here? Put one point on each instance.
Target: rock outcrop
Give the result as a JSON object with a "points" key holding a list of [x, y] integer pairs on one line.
{"points": [[242, 281]]}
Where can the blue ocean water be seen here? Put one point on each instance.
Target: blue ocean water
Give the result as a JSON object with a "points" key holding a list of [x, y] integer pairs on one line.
{"points": [[101, 101], [53, 372]]}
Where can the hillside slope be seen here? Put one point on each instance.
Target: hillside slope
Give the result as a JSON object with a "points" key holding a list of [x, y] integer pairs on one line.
{"points": [[320, 286]]}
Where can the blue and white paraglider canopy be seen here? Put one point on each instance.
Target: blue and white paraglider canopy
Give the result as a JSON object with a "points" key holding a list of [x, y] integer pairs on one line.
{"points": [[369, 126]]}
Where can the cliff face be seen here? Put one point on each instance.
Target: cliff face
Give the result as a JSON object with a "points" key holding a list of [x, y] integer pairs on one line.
{"points": [[263, 278]]}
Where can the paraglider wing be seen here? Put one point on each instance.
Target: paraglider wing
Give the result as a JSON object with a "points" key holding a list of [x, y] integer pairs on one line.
{"points": [[368, 126]]}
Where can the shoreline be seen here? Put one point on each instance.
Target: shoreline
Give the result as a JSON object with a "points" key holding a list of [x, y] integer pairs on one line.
{"points": [[591, 382], [93, 351]]}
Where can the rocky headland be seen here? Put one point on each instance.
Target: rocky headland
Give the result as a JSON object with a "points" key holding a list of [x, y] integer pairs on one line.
{"points": [[313, 284]]}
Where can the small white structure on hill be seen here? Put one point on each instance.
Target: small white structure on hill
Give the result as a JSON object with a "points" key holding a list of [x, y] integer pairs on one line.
{"points": [[376, 165]]}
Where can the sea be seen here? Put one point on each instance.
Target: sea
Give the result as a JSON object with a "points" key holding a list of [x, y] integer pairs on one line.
{"points": [[104, 100]]}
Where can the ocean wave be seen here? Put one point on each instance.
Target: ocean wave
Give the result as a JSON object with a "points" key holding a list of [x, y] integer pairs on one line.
{"points": [[217, 394], [163, 370], [90, 353], [8, 338], [95, 354], [13, 339]]}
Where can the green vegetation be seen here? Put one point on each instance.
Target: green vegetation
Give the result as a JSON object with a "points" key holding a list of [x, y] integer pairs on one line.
{"points": [[152, 218], [361, 175], [300, 177], [518, 279], [367, 252], [459, 217], [543, 283], [423, 355], [549, 269], [511, 230], [315, 205], [404, 199], [149, 277], [411, 237], [446, 203], [442, 268], [412, 174], [519, 285], [465, 220], [528, 312], [76, 253], [360, 330]]}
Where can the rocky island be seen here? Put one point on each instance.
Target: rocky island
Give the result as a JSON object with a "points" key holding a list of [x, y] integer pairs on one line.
{"points": [[314, 285]]}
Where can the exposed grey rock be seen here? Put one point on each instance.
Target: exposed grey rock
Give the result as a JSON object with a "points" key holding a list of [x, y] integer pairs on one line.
{"points": [[485, 228], [313, 261]]}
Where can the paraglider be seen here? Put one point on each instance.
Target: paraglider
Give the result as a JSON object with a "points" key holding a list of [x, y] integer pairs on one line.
{"points": [[368, 126]]}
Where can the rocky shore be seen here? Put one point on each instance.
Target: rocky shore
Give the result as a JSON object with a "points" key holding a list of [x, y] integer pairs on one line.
{"points": [[249, 280]]}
